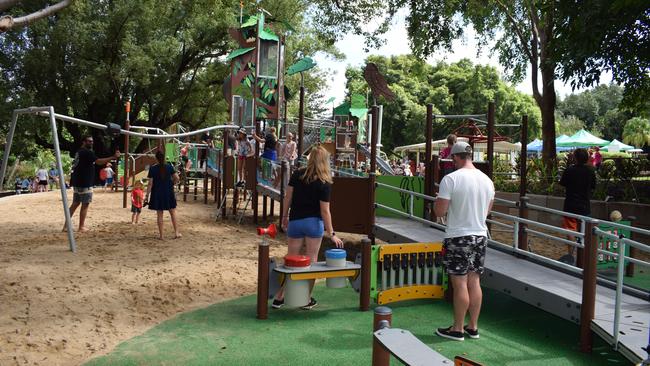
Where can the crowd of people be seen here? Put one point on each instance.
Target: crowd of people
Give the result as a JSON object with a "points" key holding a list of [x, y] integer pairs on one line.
{"points": [[44, 180]]}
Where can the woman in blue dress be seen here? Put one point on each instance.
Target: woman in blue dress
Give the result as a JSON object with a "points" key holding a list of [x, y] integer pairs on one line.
{"points": [[160, 192]]}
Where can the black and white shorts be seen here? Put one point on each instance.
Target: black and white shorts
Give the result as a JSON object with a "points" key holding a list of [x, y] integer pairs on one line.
{"points": [[464, 254]]}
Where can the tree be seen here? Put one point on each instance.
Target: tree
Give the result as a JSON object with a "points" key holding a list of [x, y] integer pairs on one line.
{"points": [[567, 125], [606, 35], [167, 56], [457, 88], [526, 34], [598, 108], [8, 22], [637, 132]]}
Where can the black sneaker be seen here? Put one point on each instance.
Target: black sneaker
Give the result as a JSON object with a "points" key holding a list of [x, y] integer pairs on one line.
{"points": [[240, 184], [312, 304], [450, 334], [472, 333], [277, 303]]}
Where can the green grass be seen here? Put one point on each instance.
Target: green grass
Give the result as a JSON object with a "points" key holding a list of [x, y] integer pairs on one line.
{"points": [[336, 333]]}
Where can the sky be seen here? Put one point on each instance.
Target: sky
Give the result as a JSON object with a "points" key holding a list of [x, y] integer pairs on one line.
{"points": [[397, 44]]}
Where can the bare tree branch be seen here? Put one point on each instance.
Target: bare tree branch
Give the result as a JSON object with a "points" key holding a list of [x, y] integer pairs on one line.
{"points": [[515, 25], [6, 4], [8, 22]]}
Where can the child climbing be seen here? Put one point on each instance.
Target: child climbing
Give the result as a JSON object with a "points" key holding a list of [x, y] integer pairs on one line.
{"points": [[244, 150]]}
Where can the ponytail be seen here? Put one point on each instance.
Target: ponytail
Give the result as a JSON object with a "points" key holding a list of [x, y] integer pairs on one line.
{"points": [[160, 156]]}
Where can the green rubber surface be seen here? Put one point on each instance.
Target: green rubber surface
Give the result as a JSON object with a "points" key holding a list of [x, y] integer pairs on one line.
{"points": [[336, 333]]}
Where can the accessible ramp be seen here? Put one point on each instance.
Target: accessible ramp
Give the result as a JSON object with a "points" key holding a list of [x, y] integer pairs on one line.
{"points": [[545, 288]]}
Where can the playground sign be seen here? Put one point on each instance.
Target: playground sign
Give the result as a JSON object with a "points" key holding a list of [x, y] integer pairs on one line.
{"points": [[606, 261]]}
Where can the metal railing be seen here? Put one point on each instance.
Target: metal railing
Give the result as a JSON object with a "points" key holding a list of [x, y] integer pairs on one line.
{"points": [[620, 242]]}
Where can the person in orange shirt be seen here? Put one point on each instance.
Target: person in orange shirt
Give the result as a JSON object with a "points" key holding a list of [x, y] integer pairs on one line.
{"points": [[137, 200]]}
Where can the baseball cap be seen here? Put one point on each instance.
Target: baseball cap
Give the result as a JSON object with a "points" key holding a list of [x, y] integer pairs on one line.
{"points": [[461, 147], [241, 130]]}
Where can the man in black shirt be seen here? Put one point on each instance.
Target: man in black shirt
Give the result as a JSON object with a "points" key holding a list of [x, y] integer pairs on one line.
{"points": [[579, 181], [83, 178]]}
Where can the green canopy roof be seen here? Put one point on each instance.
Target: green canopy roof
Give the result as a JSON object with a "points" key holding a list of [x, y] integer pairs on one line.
{"points": [[583, 138], [238, 52], [616, 145], [342, 110]]}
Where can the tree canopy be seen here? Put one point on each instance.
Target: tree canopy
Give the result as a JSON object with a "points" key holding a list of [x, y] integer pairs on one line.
{"points": [[167, 56], [536, 34], [457, 88]]}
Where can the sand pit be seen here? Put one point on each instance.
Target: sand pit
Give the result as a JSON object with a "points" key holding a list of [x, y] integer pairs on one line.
{"points": [[60, 308]]}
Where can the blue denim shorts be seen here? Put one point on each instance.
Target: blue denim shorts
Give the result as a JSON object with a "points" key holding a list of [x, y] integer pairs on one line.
{"points": [[309, 227]]}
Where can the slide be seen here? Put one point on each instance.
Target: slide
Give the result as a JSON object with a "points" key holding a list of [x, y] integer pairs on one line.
{"points": [[383, 164]]}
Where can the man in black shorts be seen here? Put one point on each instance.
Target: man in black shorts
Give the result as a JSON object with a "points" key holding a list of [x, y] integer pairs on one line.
{"points": [[83, 179], [466, 196]]}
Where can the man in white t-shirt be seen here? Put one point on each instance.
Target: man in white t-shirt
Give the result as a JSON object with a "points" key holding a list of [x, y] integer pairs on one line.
{"points": [[466, 197]]}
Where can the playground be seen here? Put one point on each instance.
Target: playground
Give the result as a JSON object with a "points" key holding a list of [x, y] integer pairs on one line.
{"points": [[566, 279], [133, 299]]}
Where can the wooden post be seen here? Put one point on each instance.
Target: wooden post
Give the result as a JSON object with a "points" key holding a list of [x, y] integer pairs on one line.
{"points": [[523, 185], [364, 293], [125, 178], [264, 206], [428, 151], [263, 279], [224, 186], [588, 306], [186, 188], [205, 177], [490, 142], [383, 319], [271, 208], [283, 181], [196, 188]]}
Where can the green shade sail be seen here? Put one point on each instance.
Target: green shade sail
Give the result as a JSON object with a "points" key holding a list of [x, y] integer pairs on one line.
{"points": [[583, 138], [342, 109], [360, 113]]}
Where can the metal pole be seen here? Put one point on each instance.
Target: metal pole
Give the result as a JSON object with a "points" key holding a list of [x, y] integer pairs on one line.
{"points": [[224, 186], [283, 180], [619, 290], [629, 271], [490, 142], [263, 279], [64, 193], [5, 158], [301, 117], [588, 305], [373, 141], [125, 177], [382, 319], [364, 292], [254, 199], [523, 213], [428, 151]]}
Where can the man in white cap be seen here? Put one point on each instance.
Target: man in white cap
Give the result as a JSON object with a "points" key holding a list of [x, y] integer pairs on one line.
{"points": [[466, 197]]}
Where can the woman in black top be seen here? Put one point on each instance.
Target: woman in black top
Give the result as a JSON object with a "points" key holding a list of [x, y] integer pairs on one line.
{"points": [[308, 196]]}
